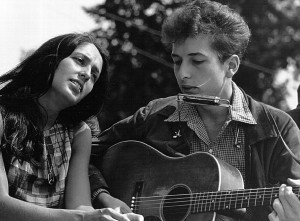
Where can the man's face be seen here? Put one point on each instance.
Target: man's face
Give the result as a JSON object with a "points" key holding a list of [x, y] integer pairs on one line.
{"points": [[197, 67]]}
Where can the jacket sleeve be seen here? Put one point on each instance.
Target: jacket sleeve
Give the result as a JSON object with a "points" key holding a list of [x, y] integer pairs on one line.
{"points": [[97, 182], [285, 166], [129, 128]]}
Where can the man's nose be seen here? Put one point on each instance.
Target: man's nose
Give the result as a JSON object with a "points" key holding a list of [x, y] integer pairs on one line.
{"points": [[184, 71]]}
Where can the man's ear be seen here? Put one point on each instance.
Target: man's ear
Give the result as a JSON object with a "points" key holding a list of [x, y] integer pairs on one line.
{"points": [[232, 63]]}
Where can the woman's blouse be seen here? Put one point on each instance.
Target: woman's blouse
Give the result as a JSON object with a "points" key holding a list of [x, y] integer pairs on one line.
{"points": [[45, 185]]}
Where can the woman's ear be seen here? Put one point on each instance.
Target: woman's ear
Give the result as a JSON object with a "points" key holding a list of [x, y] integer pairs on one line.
{"points": [[232, 63]]}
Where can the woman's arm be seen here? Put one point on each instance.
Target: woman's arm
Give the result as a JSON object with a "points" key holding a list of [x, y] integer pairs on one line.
{"points": [[16, 210], [77, 195]]}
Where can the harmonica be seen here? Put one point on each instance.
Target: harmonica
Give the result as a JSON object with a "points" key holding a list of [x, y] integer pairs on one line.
{"points": [[203, 100]]}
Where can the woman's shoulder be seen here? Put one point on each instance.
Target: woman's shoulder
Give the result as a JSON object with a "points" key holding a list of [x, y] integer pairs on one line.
{"points": [[80, 127]]}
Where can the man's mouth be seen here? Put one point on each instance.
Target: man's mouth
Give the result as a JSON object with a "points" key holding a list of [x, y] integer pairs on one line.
{"points": [[188, 87]]}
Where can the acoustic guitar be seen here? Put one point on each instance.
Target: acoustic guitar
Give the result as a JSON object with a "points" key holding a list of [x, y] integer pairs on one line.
{"points": [[191, 188]]}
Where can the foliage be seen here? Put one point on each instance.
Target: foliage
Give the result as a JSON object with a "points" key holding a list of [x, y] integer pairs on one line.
{"points": [[141, 68]]}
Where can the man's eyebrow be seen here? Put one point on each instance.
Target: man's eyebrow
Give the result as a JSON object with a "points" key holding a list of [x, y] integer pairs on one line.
{"points": [[190, 54]]}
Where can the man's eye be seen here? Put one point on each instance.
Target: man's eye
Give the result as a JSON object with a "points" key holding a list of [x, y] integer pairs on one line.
{"points": [[198, 61], [177, 62]]}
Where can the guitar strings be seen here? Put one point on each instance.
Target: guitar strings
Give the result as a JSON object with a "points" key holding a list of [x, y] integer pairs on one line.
{"points": [[227, 192], [205, 205], [238, 198]]}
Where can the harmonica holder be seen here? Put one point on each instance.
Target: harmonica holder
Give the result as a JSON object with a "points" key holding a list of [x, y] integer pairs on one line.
{"points": [[202, 100]]}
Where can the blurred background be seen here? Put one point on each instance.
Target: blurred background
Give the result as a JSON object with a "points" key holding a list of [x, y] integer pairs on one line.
{"points": [[140, 66]]}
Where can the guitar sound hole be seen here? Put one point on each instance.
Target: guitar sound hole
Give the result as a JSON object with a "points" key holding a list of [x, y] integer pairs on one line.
{"points": [[176, 205]]}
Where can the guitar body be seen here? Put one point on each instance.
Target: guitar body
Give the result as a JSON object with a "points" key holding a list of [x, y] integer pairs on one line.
{"points": [[133, 168]]}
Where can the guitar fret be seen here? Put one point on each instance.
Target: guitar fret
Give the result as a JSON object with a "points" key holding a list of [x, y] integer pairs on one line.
{"points": [[255, 198], [202, 202], [247, 198], [194, 202], [197, 202], [225, 200], [242, 200], [271, 197], [205, 200], [263, 198], [222, 198], [210, 202], [235, 200], [229, 201], [218, 201]]}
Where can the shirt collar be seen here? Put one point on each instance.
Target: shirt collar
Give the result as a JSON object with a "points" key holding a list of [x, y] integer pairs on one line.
{"points": [[239, 109]]}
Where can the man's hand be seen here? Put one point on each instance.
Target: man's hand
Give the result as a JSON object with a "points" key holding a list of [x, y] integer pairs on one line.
{"points": [[287, 207]]}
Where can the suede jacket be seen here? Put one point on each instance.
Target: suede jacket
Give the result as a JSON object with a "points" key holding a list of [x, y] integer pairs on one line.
{"points": [[268, 162]]}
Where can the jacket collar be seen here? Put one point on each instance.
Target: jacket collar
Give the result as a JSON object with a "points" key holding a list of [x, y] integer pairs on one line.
{"points": [[169, 108], [264, 128]]}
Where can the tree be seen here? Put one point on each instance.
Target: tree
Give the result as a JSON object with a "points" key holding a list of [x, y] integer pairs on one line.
{"points": [[140, 65]]}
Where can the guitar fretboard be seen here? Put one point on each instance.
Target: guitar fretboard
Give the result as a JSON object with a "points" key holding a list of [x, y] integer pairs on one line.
{"points": [[235, 199]]}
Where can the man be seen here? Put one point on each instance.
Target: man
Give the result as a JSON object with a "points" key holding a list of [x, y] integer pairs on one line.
{"points": [[208, 41]]}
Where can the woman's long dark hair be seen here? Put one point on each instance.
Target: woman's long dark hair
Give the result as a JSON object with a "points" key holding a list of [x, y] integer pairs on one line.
{"points": [[22, 86]]}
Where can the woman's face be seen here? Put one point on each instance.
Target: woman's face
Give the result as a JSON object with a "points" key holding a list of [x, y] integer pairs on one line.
{"points": [[75, 76]]}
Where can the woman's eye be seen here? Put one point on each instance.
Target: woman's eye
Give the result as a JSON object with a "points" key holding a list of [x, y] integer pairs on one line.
{"points": [[79, 60], [94, 76]]}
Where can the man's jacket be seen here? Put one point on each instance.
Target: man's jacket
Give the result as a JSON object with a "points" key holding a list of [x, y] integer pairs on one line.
{"points": [[268, 162]]}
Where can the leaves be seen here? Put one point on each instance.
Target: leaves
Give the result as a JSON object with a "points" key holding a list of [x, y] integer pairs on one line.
{"points": [[140, 65]]}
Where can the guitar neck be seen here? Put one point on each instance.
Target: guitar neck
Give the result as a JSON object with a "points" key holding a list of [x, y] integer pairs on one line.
{"points": [[235, 199]]}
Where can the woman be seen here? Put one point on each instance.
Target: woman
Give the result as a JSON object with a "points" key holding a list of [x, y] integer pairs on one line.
{"points": [[45, 145]]}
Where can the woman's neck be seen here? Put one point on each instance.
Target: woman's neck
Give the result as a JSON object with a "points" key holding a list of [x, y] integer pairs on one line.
{"points": [[50, 113]]}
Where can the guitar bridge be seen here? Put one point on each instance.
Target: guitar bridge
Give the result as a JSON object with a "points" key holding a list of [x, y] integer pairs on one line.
{"points": [[134, 206]]}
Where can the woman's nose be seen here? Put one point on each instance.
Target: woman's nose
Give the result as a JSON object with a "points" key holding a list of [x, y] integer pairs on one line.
{"points": [[84, 75]]}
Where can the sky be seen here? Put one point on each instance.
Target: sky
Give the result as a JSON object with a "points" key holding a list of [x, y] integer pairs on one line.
{"points": [[26, 24]]}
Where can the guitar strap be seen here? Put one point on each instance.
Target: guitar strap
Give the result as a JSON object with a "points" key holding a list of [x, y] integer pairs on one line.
{"points": [[284, 143]]}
